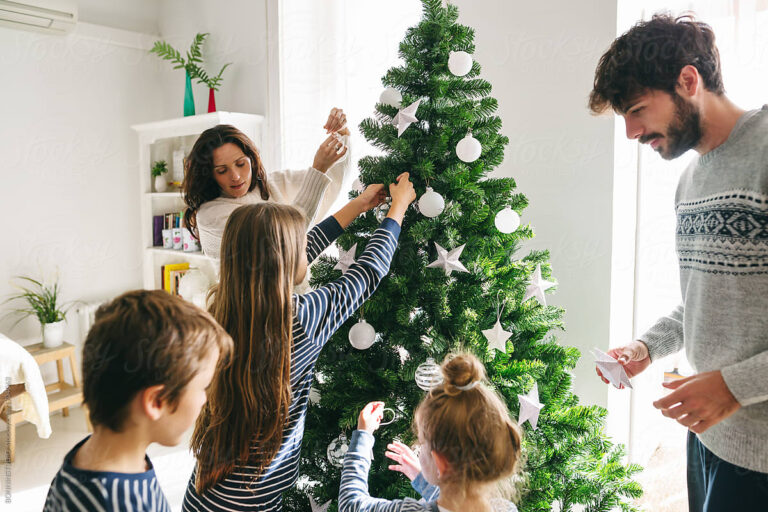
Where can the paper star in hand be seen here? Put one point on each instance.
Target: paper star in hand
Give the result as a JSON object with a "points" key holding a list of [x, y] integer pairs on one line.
{"points": [[405, 116], [611, 369], [346, 259], [497, 337], [448, 261], [319, 508], [537, 286], [530, 407]]}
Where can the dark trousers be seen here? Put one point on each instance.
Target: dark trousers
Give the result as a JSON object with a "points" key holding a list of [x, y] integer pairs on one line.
{"points": [[715, 485]]}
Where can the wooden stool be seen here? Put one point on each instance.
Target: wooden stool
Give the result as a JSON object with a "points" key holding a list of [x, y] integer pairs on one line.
{"points": [[64, 394]]}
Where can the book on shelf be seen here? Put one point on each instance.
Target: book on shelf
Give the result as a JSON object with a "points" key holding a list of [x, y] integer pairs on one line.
{"points": [[173, 233], [171, 274]]}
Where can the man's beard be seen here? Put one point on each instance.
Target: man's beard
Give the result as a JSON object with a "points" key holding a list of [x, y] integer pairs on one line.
{"points": [[684, 131]]}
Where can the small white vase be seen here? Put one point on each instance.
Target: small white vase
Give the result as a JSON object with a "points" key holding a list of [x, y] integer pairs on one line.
{"points": [[53, 334], [160, 184]]}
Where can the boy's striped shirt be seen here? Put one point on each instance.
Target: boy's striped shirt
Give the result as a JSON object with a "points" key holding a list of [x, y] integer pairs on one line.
{"points": [[79, 490]]}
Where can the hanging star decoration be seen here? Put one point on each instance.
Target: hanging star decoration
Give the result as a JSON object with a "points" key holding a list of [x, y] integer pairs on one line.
{"points": [[497, 337], [530, 407], [405, 116], [611, 369], [319, 508], [537, 286], [346, 259], [448, 261]]}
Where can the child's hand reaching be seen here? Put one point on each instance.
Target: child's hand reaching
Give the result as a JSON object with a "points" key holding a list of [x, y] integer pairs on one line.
{"points": [[370, 417], [371, 197], [407, 461], [402, 195]]}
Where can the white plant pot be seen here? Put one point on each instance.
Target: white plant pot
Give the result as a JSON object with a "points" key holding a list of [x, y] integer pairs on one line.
{"points": [[160, 184], [53, 334]]}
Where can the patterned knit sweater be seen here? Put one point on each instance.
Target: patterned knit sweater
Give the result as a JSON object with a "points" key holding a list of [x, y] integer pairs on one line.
{"points": [[722, 247]]}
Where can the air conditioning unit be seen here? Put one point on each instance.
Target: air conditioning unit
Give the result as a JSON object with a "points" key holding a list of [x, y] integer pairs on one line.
{"points": [[50, 16]]}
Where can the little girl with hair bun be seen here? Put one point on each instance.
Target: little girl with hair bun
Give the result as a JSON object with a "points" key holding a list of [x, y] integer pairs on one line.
{"points": [[469, 444]]}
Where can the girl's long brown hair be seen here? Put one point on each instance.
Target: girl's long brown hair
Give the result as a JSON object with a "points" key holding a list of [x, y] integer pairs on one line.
{"points": [[249, 400], [199, 185]]}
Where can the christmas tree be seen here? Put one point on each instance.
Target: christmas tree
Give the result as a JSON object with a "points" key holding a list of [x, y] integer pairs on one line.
{"points": [[436, 120]]}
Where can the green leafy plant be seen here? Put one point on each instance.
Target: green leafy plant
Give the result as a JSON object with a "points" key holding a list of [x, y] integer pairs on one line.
{"points": [[42, 302], [159, 168], [193, 62]]}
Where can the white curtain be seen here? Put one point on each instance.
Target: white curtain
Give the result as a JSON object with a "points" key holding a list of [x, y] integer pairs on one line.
{"points": [[333, 53]]}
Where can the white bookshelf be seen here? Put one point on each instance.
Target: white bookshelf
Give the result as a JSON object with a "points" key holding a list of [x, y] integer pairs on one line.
{"points": [[157, 141]]}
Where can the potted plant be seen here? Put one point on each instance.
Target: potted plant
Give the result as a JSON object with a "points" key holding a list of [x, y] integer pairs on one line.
{"points": [[192, 66], [158, 169], [43, 302]]}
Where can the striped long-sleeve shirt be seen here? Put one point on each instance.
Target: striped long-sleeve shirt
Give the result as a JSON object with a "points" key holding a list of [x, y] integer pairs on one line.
{"points": [[318, 315], [353, 492], [79, 490]]}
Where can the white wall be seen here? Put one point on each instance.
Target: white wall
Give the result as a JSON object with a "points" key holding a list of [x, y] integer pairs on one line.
{"points": [[69, 197], [541, 61], [238, 34], [136, 15]]}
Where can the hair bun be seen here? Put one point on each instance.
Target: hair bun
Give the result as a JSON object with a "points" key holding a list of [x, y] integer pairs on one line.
{"points": [[463, 369]]}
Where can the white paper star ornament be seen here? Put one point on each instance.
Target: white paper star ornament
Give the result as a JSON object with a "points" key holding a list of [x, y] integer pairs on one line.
{"points": [[448, 261], [319, 508], [405, 117], [611, 369], [530, 407], [497, 337], [346, 259], [537, 286]]}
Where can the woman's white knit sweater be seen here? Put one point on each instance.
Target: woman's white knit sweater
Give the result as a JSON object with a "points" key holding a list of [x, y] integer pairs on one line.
{"points": [[309, 190]]}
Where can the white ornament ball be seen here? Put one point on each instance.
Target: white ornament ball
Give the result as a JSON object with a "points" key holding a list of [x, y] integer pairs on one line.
{"points": [[381, 211], [507, 220], [357, 185], [362, 335], [431, 204], [337, 449], [428, 375], [314, 396], [392, 97], [460, 63], [468, 149]]}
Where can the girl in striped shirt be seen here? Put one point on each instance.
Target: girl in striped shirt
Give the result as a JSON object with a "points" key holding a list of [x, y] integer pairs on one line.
{"points": [[247, 440], [469, 444]]}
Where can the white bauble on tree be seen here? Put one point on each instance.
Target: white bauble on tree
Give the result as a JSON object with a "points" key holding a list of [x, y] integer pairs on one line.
{"points": [[431, 204], [459, 63], [507, 220], [468, 149], [392, 97], [337, 449], [428, 375], [362, 335]]}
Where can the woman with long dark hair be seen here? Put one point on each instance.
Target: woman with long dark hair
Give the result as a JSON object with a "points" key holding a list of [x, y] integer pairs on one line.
{"points": [[224, 171]]}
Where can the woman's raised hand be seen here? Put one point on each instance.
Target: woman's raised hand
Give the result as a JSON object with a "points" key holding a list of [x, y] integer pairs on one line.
{"points": [[407, 461], [328, 153], [337, 122]]}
